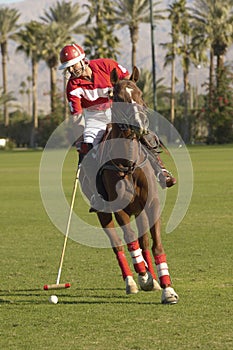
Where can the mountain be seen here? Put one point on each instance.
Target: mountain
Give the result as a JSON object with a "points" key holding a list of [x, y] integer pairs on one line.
{"points": [[19, 67]]}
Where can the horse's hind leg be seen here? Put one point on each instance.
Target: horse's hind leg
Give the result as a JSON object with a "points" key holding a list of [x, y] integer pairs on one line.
{"points": [[169, 296], [144, 243], [157, 246], [159, 255], [117, 246]]}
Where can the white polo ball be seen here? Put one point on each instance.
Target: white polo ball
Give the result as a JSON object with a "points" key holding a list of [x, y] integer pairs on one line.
{"points": [[53, 299]]}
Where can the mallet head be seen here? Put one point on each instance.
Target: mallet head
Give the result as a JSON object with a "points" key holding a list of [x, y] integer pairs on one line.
{"points": [[57, 286]]}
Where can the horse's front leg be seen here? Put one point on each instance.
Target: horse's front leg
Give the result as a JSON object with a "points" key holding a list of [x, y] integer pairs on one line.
{"points": [[144, 242], [145, 278], [169, 296], [106, 221], [158, 252], [159, 255]]}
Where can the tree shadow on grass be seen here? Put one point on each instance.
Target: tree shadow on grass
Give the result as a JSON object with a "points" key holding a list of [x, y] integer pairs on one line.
{"points": [[127, 301]]}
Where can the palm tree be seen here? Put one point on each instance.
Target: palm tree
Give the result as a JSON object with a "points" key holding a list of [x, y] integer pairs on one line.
{"points": [[220, 25], [68, 15], [8, 25], [213, 24], [99, 38], [54, 37], [185, 50], [145, 84], [6, 97], [175, 17], [132, 13], [29, 42], [25, 89], [63, 21], [181, 45], [170, 59]]}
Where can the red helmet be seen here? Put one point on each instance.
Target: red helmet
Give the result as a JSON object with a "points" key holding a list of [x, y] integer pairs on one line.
{"points": [[71, 54]]}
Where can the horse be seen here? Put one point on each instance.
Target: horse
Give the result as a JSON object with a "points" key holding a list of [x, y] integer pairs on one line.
{"points": [[127, 184]]}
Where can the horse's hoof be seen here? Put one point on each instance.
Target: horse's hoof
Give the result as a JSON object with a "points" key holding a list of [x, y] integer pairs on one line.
{"points": [[169, 296], [131, 286], [156, 285], [146, 282]]}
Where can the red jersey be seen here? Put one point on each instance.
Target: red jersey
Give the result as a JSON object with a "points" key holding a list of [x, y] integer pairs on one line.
{"points": [[82, 93]]}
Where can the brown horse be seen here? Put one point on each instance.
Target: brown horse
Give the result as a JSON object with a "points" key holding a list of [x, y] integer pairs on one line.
{"points": [[128, 186]]}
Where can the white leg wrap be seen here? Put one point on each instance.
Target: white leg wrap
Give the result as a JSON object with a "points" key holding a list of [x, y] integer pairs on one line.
{"points": [[137, 256], [162, 269]]}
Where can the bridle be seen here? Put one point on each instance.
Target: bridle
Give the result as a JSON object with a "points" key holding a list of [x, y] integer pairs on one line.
{"points": [[128, 169], [125, 122], [130, 132]]}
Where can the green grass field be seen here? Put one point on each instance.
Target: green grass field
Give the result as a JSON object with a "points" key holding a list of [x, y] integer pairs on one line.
{"points": [[95, 313]]}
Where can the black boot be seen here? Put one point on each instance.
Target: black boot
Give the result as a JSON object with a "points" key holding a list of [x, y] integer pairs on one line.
{"points": [[152, 145], [89, 165]]}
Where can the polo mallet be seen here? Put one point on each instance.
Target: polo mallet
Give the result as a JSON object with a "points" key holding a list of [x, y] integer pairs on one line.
{"points": [[59, 285]]}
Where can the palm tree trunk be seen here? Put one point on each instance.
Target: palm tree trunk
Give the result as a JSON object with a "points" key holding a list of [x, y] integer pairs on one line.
{"points": [[211, 88], [186, 117], [53, 89], [133, 55], [34, 104], [172, 115], [66, 111], [4, 81], [220, 68], [134, 39]]}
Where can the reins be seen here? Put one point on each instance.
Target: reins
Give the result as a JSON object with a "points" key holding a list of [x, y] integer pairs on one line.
{"points": [[126, 131], [129, 169]]}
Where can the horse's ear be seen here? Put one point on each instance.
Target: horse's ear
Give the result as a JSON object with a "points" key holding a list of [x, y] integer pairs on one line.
{"points": [[114, 76], [135, 74]]}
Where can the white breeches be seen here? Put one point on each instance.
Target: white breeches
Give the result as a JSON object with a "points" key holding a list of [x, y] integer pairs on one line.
{"points": [[95, 125]]}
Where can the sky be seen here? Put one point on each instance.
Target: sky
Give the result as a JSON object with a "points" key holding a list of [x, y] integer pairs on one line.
{"points": [[9, 1]]}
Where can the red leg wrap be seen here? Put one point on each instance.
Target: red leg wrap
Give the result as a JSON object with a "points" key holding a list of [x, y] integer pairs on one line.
{"points": [[137, 258], [162, 268], [147, 257], [124, 266]]}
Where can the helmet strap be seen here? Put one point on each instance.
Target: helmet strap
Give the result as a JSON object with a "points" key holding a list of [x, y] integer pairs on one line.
{"points": [[81, 70]]}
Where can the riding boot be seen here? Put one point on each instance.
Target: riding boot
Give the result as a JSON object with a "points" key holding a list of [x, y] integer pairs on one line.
{"points": [[152, 144], [89, 165], [82, 148]]}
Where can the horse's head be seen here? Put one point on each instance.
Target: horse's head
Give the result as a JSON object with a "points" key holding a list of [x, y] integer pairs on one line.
{"points": [[126, 90], [131, 111]]}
